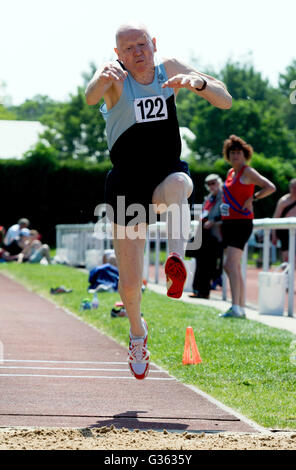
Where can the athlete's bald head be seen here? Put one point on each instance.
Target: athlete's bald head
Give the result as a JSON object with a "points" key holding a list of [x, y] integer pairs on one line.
{"points": [[130, 27]]}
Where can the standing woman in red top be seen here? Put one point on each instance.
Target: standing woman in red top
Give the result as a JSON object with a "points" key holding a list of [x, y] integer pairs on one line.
{"points": [[237, 215]]}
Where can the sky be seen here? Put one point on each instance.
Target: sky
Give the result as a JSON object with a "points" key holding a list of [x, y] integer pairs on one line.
{"points": [[45, 46]]}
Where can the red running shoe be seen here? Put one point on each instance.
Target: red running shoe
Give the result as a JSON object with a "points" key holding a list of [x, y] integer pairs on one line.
{"points": [[139, 356], [176, 275]]}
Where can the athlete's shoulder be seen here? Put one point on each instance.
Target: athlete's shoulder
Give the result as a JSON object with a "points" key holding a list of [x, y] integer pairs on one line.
{"points": [[251, 176], [170, 61], [286, 199], [283, 202], [248, 171]]}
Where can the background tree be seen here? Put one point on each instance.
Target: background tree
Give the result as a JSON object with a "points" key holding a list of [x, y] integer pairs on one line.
{"points": [[77, 130], [6, 114], [262, 127], [35, 108], [244, 83], [258, 115], [285, 81]]}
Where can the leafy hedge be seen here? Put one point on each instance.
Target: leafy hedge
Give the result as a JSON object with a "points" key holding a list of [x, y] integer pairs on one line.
{"points": [[50, 193]]}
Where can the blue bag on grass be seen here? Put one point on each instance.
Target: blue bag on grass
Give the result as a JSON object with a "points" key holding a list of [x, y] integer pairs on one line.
{"points": [[106, 274]]}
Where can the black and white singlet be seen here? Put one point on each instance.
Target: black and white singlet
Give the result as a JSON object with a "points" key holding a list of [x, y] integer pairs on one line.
{"points": [[144, 142]]}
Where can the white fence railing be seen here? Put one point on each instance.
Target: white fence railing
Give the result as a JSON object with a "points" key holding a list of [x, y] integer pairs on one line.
{"points": [[77, 244], [80, 244], [267, 225], [84, 245]]}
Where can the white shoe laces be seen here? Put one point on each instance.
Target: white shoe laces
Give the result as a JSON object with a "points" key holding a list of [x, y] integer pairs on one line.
{"points": [[138, 351]]}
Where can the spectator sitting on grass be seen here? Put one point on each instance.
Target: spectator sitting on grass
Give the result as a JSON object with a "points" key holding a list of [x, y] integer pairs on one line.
{"points": [[13, 233], [34, 251], [104, 278], [109, 257], [12, 250]]}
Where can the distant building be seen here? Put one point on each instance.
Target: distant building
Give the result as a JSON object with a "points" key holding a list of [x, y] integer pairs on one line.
{"points": [[17, 137]]}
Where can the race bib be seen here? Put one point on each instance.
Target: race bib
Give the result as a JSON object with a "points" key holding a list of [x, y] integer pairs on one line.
{"points": [[151, 108], [204, 214], [224, 209]]}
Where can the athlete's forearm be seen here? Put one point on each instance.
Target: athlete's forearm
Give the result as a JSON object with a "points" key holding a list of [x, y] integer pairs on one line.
{"points": [[215, 92], [96, 89], [265, 191], [181, 75]]}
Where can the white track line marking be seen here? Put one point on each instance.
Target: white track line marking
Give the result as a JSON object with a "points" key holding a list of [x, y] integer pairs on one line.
{"points": [[61, 362], [83, 377], [72, 369]]}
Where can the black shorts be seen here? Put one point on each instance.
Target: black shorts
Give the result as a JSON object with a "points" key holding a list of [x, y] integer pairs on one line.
{"points": [[283, 236], [236, 232], [128, 194]]}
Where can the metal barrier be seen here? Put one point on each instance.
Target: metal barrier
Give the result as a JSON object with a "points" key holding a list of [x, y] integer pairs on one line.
{"points": [[74, 242], [80, 244], [268, 224]]}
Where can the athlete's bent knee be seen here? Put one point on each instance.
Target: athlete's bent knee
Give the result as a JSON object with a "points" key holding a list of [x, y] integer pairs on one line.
{"points": [[177, 184]]}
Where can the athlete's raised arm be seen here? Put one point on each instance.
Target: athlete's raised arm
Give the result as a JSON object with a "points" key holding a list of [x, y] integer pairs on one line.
{"points": [[106, 82], [181, 75]]}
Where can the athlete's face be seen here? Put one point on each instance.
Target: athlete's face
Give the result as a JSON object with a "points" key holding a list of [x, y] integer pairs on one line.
{"points": [[236, 157], [135, 49]]}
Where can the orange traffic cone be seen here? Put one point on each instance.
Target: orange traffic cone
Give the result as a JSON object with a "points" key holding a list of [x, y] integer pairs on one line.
{"points": [[190, 341]]}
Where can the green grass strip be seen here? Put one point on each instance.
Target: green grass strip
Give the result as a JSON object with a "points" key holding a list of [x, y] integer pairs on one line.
{"points": [[245, 364]]}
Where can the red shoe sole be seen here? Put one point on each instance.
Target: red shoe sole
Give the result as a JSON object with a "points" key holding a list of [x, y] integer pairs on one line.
{"points": [[176, 272]]}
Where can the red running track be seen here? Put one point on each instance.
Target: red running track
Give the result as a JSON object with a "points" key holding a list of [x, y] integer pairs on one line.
{"points": [[59, 372]]}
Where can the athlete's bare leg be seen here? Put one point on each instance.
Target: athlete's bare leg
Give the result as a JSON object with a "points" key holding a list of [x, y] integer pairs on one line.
{"points": [[232, 266], [130, 260], [173, 193]]}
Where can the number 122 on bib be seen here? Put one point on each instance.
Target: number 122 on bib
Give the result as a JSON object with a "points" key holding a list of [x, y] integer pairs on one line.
{"points": [[151, 108]]}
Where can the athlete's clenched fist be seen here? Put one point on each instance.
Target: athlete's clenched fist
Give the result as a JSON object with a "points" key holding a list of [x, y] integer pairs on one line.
{"points": [[112, 72]]}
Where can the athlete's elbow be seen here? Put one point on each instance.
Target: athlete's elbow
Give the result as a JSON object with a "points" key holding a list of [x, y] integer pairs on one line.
{"points": [[227, 102], [269, 188]]}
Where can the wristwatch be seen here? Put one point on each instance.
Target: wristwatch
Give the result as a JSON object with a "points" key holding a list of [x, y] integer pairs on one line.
{"points": [[203, 86]]}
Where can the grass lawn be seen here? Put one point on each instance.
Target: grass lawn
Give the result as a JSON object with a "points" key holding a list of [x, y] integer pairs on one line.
{"points": [[246, 365]]}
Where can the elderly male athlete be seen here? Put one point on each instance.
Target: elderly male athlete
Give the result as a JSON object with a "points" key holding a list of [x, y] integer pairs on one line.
{"points": [[144, 144]]}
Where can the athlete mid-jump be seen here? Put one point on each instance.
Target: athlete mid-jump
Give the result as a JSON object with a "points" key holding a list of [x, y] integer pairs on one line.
{"points": [[144, 143]]}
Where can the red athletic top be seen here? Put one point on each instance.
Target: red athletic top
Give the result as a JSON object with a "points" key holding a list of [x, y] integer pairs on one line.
{"points": [[235, 194]]}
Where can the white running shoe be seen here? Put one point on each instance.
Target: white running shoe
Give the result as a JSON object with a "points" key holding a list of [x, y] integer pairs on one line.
{"points": [[139, 356], [231, 313]]}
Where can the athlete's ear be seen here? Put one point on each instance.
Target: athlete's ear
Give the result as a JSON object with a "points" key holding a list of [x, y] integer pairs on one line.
{"points": [[154, 44], [116, 51]]}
